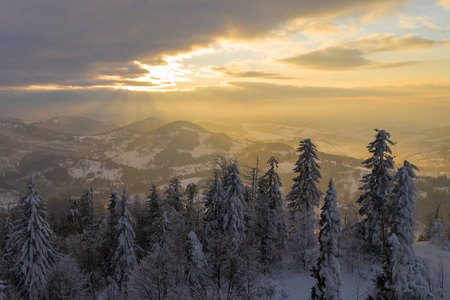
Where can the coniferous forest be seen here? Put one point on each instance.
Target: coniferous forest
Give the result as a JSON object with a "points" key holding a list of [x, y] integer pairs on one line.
{"points": [[226, 240]]}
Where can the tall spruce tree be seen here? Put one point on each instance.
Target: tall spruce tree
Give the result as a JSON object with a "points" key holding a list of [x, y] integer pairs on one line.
{"points": [[174, 197], [196, 268], [270, 223], [125, 257], [153, 203], [35, 253], [86, 209], [73, 218], [402, 208], [149, 216], [388, 284], [109, 243], [234, 208], [191, 215], [6, 231], [213, 199], [302, 199], [114, 208], [378, 184], [327, 271]]}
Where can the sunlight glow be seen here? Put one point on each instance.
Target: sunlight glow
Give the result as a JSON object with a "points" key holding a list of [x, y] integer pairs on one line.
{"points": [[166, 76]]}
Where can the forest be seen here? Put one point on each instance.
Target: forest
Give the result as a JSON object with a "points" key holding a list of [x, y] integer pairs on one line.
{"points": [[226, 240]]}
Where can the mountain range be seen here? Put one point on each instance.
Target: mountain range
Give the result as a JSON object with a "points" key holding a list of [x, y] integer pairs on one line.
{"points": [[69, 154]]}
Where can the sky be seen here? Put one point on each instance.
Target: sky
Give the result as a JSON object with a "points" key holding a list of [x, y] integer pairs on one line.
{"points": [[208, 59]]}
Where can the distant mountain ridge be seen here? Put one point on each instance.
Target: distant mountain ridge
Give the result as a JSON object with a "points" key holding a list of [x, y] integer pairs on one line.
{"points": [[75, 125]]}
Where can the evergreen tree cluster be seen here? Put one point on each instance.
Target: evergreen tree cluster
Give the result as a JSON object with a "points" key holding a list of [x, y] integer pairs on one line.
{"points": [[222, 241]]}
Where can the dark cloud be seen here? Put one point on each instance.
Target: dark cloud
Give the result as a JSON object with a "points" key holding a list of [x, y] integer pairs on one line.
{"points": [[53, 41]]}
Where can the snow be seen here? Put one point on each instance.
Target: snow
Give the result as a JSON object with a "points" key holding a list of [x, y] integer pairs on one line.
{"points": [[85, 167], [10, 125], [132, 158], [202, 149], [190, 169], [434, 254], [298, 285]]}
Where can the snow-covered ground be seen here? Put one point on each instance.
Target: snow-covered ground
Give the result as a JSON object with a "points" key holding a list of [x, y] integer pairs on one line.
{"points": [[298, 285], [90, 169]]}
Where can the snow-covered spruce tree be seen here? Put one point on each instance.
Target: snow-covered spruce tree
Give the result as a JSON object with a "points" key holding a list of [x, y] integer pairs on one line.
{"points": [[437, 234], [156, 275], [114, 210], [174, 206], [327, 271], [86, 209], [110, 240], [174, 196], [378, 184], [196, 268], [73, 217], [302, 199], [388, 284], [153, 204], [191, 215], [214, 239], [7, 250], [416, 285], [234, 208], [225, 233], [162, 235], [403, 205], [191, 192], [5, 242], [213, 199], [150, 214], [35, 252], [270, 225], [125, 257]]}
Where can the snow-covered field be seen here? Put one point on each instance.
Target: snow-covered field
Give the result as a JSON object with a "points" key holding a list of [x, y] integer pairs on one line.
{"points": [[298, 285]]}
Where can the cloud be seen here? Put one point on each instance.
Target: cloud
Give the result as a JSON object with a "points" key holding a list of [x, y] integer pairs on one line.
{"points": [[352, 54], [444, 3], [390, 43], [407, 22], [241, 71], [387, 65], [253, 74], [52, 41], [329, 59], [322, 26]]}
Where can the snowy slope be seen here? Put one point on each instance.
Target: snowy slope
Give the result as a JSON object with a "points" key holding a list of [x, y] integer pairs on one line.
{"points": [[298, 285]]}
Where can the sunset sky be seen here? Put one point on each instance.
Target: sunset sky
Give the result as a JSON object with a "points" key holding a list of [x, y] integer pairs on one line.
{"points": [[203, 59]]}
